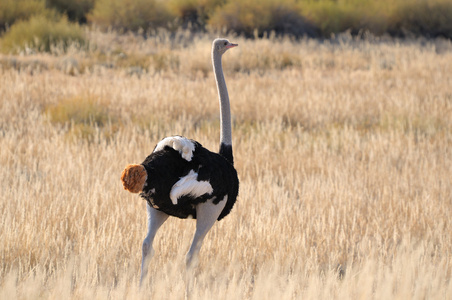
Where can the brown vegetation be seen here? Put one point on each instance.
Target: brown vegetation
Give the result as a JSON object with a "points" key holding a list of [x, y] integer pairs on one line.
{"points": [[342, 149]]}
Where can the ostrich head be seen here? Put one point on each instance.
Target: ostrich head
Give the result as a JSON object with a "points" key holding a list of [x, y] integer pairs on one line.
{"points": [[220, 46]]}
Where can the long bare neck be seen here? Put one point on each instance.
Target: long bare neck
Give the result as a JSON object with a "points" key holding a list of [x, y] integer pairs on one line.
{"points": [[225, 110]]}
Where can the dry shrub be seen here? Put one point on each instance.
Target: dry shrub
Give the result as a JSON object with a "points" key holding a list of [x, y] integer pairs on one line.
{"points": [[133, 60]]}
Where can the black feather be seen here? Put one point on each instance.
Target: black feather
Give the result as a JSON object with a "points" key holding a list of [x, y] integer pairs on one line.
{"points": [[226, 152], [166, 167]]}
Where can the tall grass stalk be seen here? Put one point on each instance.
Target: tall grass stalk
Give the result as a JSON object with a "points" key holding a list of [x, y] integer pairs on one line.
{"points": [[343, 156]]}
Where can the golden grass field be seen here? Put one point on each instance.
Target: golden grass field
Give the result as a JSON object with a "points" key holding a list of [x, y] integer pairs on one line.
{"points": [[343, 151]]}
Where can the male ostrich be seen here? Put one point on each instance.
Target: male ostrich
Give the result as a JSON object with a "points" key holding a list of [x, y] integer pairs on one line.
{"points": [[183, 179]]}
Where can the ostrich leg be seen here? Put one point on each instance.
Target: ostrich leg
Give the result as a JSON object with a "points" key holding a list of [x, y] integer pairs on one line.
{"points": [[155, 220], [206, 214]]}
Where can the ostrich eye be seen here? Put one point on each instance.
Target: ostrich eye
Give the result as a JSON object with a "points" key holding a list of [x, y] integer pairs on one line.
{"points": [[225, 43]]}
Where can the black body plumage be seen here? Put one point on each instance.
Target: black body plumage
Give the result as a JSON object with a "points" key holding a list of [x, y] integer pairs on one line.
{"points": [[166, 167]]}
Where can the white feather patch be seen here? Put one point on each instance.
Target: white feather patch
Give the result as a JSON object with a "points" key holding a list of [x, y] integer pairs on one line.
{"points": [[178, 143], [189, 185]]}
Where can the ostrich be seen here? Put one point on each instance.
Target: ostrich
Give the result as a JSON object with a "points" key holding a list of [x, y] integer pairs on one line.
{"points": [[183, 179]]}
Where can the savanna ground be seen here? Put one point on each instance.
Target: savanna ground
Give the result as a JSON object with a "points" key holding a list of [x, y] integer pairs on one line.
{"points": [[343, 150]]}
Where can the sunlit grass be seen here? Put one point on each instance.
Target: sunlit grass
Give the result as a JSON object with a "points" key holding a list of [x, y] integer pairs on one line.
{"points": [[342, 149]]}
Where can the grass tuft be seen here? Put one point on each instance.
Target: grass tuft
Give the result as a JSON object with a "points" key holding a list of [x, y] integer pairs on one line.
{"points": [[79, 110], [84, 116]]}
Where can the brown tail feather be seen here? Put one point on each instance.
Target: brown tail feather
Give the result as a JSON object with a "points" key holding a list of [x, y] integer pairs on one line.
{"points": [[133, 178]]}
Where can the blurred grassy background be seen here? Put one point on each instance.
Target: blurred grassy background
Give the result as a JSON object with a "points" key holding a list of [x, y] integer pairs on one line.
{"points": [[354, 202], [20, 19]]}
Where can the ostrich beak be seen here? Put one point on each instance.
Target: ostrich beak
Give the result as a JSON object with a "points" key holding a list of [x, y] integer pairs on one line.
{"points": [[231, 46]]}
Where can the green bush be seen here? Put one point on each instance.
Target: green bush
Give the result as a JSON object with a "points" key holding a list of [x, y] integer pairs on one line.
{"points": [[315, 18], [397, 17], [423, 17], [76, 10], [41, 34], [193, 12], [130, 14], [332, 17], [246, 17], [15, 10], [353, 15]]}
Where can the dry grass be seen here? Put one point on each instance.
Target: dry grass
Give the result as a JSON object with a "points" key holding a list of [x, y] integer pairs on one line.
{"points": [[343, 155]]}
